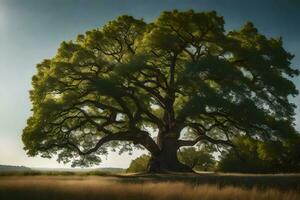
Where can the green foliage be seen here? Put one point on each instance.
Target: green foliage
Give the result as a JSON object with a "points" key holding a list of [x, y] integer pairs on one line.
{"points": [[111, 85], [140, 164], [253, 156], [198, 159]]}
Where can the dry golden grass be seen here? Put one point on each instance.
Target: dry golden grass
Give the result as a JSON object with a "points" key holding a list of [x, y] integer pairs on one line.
{"points": [[111, 188]]}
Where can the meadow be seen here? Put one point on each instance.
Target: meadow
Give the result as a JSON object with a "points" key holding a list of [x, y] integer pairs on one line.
{"points": [[147, 187]]}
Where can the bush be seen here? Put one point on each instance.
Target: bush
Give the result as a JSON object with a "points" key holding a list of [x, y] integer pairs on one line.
{"points": [[139, 164]]}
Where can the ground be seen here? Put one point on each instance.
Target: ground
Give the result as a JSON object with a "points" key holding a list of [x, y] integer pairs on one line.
{"points": [[145, 187]]}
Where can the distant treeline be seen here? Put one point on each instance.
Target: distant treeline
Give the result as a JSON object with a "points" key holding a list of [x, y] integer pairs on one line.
{"points": [[24, 171], [8, 168]]}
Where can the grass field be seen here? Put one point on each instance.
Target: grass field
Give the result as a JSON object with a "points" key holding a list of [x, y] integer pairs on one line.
{"points": [[146, 187]]}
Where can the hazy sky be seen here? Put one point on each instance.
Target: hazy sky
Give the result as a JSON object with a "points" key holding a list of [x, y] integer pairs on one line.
{"points": [[31, 30]]}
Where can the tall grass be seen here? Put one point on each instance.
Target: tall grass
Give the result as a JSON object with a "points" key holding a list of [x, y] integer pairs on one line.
{"points": [[110, 188]]}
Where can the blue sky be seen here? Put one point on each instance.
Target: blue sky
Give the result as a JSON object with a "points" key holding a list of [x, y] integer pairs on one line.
{"points": [[32, 30]]}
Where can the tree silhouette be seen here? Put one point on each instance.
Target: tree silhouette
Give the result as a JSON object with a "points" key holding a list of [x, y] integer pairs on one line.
{"points": [[183, 74]]}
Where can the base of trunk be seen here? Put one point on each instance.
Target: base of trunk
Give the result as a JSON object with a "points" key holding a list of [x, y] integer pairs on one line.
{"points": [[161, 165]]}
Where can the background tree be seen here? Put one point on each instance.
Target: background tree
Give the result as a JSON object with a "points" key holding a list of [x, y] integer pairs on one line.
{"points": [[262, 157], [246, 160], [197, 158], [140, 164], [181, 74]]}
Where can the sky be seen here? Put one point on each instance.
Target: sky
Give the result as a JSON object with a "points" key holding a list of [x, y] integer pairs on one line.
{"points": [[32, 30]]}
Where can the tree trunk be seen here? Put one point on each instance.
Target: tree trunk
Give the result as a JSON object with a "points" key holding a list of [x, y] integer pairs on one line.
{"points": [[166, 160]]}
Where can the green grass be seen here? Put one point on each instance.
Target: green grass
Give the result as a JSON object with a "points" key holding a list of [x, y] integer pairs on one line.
{"points": [[147, 187]]}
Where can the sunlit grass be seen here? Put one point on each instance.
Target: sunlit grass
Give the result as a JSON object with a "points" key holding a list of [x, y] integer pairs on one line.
{"points": [[113, 188]]}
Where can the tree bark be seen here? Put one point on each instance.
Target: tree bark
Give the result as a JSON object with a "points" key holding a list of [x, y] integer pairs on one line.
{"points": [[166, 160]]}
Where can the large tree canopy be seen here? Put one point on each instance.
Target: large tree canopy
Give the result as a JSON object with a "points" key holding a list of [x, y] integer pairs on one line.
{"points": [[182, 75]]}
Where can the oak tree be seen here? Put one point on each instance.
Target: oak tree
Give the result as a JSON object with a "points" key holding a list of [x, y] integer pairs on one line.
{"points": [[148, 84]]}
